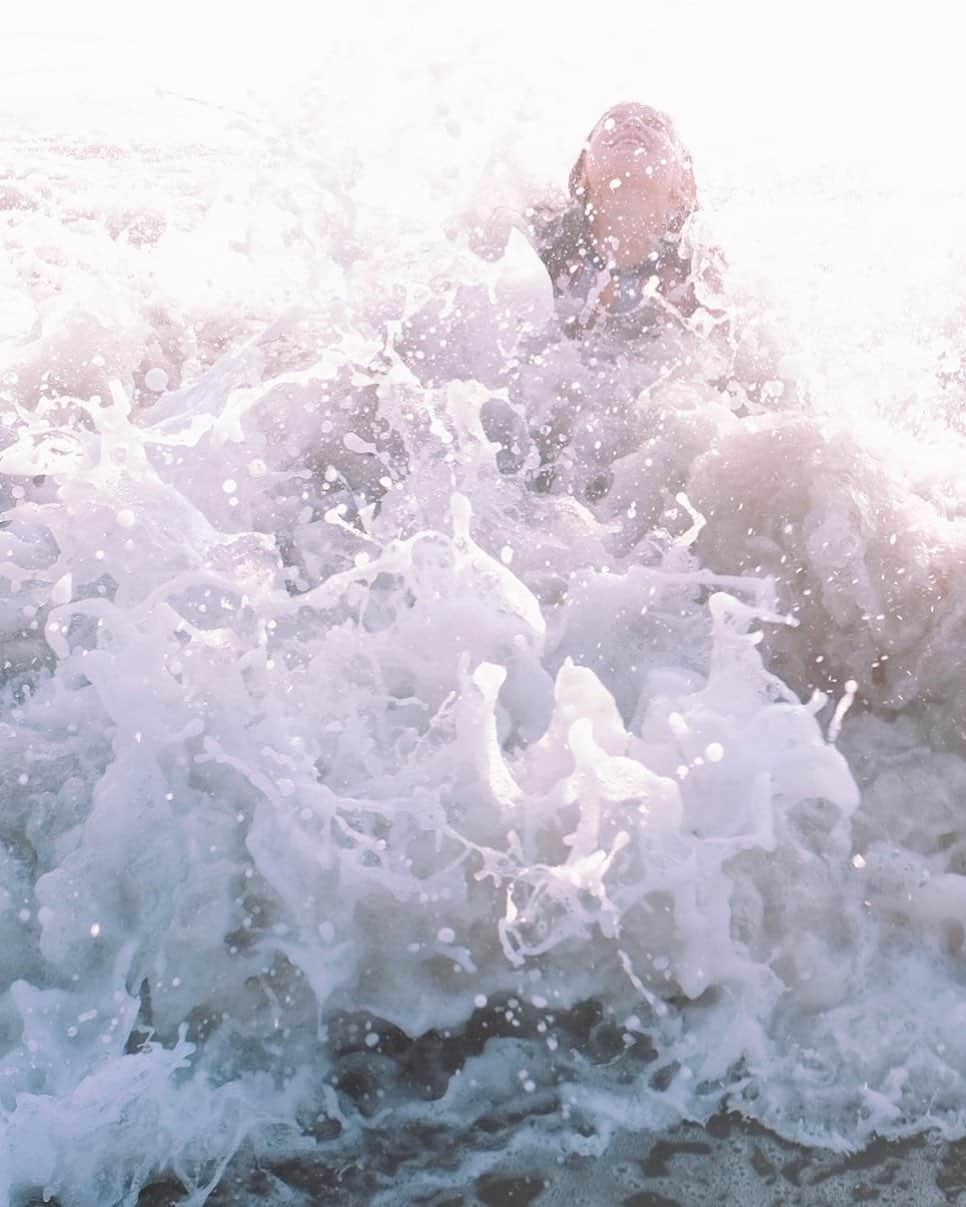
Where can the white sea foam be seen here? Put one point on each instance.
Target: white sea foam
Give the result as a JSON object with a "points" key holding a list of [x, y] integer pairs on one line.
{"points": [[370, 652]]}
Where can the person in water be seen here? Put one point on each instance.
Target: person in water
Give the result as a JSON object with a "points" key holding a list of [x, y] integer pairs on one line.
{"points": [[618, 250]]}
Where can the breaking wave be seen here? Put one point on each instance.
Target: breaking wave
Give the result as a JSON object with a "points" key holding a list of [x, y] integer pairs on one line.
{"points": [[416, 724]]}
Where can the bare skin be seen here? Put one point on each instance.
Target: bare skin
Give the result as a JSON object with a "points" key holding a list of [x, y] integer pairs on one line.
{"points": [[635, 179]]}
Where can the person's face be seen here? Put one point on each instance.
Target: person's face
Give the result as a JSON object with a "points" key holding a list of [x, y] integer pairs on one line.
{"points": [[633, 168]]}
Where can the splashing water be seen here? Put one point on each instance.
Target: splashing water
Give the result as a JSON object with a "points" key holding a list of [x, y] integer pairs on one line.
{"points": [[409, 717]]}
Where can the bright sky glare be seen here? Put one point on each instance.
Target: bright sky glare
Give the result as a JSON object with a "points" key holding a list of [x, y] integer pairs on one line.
{"points": [[833, 73]]}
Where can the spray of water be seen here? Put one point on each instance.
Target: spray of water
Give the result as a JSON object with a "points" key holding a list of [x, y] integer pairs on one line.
{"points": [[406, 712]]}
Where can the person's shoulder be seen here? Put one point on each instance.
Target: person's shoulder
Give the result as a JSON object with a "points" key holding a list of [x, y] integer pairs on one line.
{"points": [[559, 237]]}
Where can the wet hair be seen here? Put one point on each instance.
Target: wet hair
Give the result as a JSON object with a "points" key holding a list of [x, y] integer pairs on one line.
{"points": [[563, 240]]}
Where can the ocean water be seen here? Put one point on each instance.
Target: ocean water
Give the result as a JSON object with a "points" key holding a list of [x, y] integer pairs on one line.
{"points": [[416, 727]]}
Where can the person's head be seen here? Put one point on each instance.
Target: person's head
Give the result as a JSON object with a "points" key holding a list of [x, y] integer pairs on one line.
{"points": [[634, 172]]}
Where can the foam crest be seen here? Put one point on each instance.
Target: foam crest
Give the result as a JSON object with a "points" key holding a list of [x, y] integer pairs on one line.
{"points": [[404, 709]]}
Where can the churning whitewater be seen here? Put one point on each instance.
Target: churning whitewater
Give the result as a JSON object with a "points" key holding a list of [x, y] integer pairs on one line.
{"points": [[427, 735]]}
